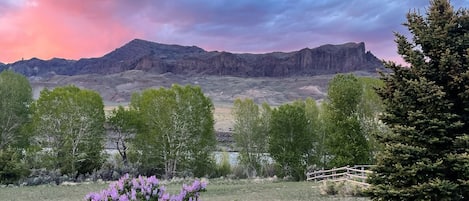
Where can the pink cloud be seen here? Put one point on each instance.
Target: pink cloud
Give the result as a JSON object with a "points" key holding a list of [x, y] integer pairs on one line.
{"points": [[90, 28], [68, 29]]}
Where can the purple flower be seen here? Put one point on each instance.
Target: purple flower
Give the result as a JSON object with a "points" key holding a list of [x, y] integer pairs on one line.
{"points": [[123, 198], [197, 185], [135, 183], [203, 185], [162, 190], [152, 180], [133, 194], [165, 196], [126, 189], [93, 197], [120, 185]]}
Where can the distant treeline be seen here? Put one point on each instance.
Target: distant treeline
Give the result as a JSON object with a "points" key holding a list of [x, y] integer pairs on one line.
{"points": [[169, 132]]}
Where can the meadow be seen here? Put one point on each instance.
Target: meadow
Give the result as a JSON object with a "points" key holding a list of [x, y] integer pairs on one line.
{"points": [[234, 190]]}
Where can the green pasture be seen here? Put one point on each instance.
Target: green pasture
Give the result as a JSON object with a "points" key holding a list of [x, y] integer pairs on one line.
{"points": [[221, 190]]}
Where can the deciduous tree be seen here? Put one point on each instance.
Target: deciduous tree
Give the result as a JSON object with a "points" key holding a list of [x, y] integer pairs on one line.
{"points": [[69, 123], [177, 133], [15, 101], [316, 130], [346, 140], [290, 143], [249, 132], [124, 124]]}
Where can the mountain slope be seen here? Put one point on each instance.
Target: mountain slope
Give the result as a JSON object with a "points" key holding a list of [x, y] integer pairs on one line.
{"points": [[191, 60]]}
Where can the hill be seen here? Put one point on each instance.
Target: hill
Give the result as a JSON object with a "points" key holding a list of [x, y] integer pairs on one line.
{"points": [[191, 60]]}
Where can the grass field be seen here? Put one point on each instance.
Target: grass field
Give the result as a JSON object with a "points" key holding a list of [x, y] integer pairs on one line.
{"points": [[222, 190]]}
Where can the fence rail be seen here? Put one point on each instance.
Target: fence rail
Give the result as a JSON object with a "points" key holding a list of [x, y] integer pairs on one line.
{"points": [[356, 174]]}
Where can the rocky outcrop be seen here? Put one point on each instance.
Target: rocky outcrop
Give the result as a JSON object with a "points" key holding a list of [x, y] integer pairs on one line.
{"points": [[190, 60]]}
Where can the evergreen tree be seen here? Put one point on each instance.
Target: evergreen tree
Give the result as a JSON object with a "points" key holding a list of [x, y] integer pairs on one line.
{"points": [[425, 156]]}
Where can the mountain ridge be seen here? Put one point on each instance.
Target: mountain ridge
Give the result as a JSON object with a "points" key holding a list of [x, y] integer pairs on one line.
{"points": [[159, 58]]}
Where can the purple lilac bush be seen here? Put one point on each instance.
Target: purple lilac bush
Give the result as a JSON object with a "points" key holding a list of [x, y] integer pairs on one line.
{"points": [[143, 188]]}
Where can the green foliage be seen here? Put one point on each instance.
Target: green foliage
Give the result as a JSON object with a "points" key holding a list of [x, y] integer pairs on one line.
{"points": [[290, 143], [370, 109], [346, 140], [12, 168], [124, 123], [224, 168], [316, 130], [425, 156], [176, 132], [69, 123], [16, 98], [250, 132]]}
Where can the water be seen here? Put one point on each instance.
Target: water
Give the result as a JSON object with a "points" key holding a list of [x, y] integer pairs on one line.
{"points": [[233, 156]]}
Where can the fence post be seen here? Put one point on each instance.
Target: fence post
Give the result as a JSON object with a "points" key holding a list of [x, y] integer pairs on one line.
{"points": [[333, 174], [347, 176], [356, 173], [322, 173], [363, 173]]}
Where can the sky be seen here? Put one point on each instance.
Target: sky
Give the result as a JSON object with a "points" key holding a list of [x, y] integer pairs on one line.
{"points": [[74, 29]]}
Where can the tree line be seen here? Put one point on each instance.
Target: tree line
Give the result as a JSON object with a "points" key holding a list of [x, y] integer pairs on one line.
{"points": [[170, 131], [167, 132], [306, 134]]}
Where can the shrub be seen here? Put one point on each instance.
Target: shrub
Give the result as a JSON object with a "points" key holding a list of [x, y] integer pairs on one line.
{"points": [[268, 170], [114, 168], [224, 167], [328, 188], [12, 168], [143, 188], [44, 176], [342, 188], [351, 189], [239, 172]]}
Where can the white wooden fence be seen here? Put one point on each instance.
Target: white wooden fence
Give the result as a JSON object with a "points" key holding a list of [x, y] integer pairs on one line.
{"points": [[356, 174]]}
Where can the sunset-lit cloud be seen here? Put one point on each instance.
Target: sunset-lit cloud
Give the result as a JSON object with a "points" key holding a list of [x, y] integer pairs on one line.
{"points": [[68, 29], [74, 29]]}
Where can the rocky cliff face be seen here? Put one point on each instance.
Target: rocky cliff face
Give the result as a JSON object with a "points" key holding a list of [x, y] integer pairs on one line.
{"points": [[160, 58]]}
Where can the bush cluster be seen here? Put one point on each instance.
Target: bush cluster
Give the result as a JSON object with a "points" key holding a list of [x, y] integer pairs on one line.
{"points": [[145, 188], [12, 167], [342, 188]]}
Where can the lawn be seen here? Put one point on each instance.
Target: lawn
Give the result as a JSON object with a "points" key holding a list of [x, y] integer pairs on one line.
{"points": [[229, 190]]}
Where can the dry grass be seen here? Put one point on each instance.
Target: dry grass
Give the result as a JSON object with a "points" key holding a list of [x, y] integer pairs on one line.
{"points": [[117, 88], [223, 118]]}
